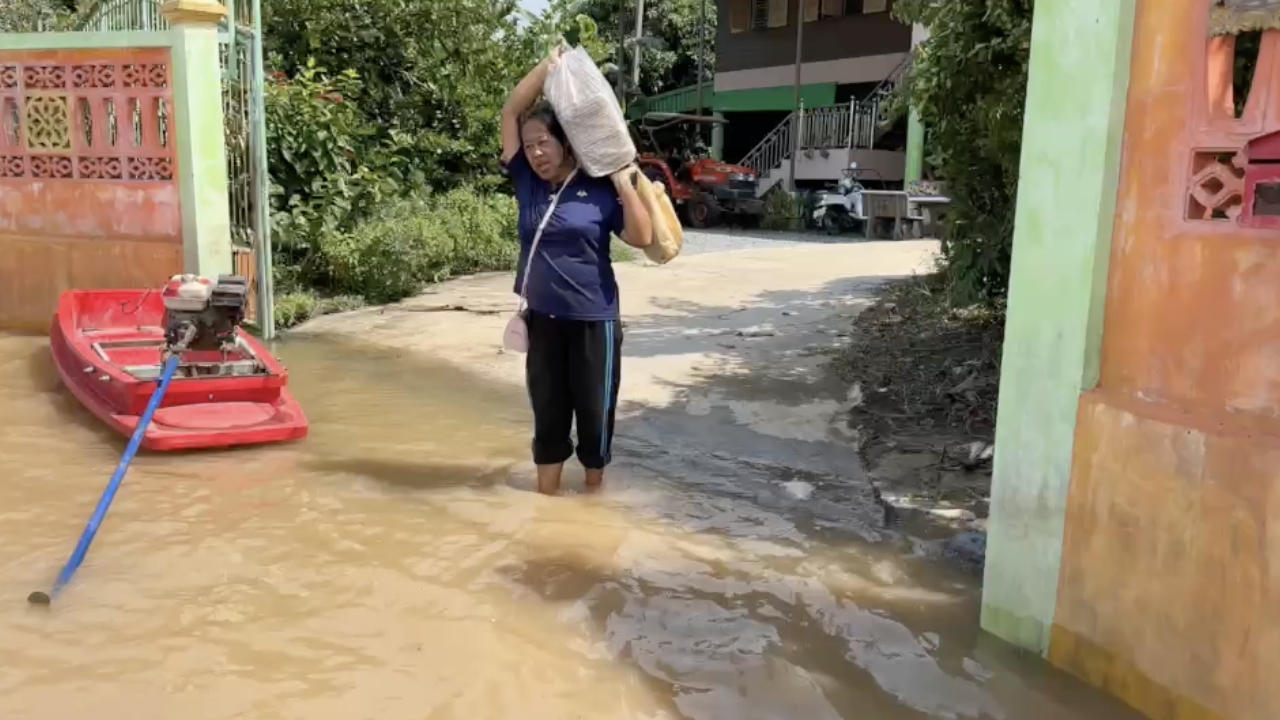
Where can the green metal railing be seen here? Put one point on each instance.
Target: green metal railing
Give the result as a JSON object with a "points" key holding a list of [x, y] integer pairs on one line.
{"points": [[680, 100], [115, 15]]}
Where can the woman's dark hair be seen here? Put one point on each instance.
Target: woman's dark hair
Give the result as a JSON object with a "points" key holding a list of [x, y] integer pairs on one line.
{"points": [[543, 113]]}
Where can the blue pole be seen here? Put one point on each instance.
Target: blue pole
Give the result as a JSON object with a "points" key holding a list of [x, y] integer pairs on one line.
{"points": [[109, 494]]}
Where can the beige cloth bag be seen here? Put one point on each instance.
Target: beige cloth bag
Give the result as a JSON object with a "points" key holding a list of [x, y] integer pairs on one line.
{"points": [[668, 234]]}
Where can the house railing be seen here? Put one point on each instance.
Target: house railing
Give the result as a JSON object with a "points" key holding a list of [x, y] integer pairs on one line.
{"points": [[114, 15], [855, 124], [773, 149]]}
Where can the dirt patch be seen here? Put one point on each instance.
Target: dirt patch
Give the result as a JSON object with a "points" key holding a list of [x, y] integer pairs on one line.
{"points": [[927, 375]]}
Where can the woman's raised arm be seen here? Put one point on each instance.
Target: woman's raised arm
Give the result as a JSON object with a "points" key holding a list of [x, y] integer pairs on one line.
{"points": [[522, 98]]}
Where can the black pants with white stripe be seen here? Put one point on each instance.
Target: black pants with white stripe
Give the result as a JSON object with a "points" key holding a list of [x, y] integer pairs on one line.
{"points": [[572, 372]]}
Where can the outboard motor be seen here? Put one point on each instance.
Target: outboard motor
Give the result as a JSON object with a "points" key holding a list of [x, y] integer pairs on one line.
{"points": [[200, 314]]}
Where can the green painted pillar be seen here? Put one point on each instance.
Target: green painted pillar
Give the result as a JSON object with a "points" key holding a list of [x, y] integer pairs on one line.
{"points": [[1070, 166], [201, 153], [914, 165], [914, 170], [717, 137]]}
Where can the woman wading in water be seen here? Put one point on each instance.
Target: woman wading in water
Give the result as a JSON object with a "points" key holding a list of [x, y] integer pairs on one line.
{"points": [[573, 365]]}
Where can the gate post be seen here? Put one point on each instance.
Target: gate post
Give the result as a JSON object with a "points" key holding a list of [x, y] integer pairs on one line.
{"points": [[200, 135], [1066, 210]]}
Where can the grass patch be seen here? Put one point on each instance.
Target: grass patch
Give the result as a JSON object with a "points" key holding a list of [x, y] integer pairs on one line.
{"points": [[620, 251], [408, 245], [296, 307]]}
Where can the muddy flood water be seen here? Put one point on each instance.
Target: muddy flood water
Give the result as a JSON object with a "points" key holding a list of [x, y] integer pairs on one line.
{"points": [[396, 566]]}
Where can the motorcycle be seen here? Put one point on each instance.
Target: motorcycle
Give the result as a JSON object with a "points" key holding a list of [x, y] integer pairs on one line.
{"points": [[840, 211]]}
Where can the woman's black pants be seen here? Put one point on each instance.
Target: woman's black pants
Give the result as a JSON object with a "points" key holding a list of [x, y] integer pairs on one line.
{"points": [[572, 372]]}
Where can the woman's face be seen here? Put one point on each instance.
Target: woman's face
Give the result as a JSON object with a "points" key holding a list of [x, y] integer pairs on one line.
{"points": [[545, 154]]}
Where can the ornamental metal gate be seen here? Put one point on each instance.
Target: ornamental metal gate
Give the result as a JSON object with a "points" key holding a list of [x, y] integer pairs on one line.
{"points": [[244, 111]]}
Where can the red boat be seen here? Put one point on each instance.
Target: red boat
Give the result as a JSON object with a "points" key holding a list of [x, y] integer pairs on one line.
{"points": [[108, 346]]}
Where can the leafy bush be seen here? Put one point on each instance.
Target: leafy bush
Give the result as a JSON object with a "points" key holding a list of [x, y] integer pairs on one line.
{"points": [[298, 306], [783, 210], [620, 251], [360, 160], [438, 72], [421, 240], [673, 38], [969, 85], [22, 16], [328, 167]]}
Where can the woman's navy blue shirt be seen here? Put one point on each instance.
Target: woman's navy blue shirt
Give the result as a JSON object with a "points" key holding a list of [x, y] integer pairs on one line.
{"points": [[572, 274]]}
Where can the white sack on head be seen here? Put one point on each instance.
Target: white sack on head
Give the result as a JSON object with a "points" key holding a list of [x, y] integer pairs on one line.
{"points": [[589, 113]]}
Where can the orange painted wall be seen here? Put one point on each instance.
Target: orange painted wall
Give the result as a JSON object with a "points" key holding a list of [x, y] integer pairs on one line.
{"points": [[75, 230], [1169, 593]]}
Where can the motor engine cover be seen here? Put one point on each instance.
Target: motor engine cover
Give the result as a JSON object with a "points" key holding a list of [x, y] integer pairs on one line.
{"points": [[187, 293], [201, 314]]}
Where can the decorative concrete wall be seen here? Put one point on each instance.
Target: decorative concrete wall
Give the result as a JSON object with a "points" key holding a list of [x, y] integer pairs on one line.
{"points": [[1141, 549], [1170, 586], [112, 161], [1070, 165], [88, 195]]}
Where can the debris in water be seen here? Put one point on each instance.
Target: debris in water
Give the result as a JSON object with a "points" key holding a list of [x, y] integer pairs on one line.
{"points": [[968, 549], [798, 489], [757, 331]]}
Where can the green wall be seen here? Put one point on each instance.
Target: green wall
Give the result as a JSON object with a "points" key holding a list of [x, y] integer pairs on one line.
{"points": [[1070, 163], [775, 98], [680, 100], [83, 40], [685, 99]]}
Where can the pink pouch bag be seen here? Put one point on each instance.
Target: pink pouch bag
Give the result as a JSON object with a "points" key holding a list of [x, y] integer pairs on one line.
{"points": [[515, 337]]}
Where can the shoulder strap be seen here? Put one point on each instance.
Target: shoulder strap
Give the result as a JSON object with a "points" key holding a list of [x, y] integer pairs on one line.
{"points": [[537, 236]]}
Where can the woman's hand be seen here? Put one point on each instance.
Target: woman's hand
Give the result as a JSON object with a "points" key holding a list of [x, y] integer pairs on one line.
{"points": [[553, 57], [637, 228], [625, 179]]}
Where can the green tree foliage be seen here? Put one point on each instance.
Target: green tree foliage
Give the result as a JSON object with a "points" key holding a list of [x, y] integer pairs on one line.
{"points": [[561, 23], [671, 41], [330, 166], [373, 106], [417, 241], [969, 85], [383, 135], [437, 72], [35, 15], [679, 31]]}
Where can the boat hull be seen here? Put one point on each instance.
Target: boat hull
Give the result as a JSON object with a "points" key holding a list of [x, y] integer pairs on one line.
{"points": [[106, 347]]}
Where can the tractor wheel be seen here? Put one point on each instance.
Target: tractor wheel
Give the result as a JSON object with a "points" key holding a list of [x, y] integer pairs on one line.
{"points": [[702, 214]]}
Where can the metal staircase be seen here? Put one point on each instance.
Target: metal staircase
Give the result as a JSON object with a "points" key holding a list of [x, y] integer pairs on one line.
{"points": [[856, 124]]}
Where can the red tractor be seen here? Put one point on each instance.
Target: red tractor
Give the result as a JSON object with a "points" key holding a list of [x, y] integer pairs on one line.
{"points": [[706, 192]]}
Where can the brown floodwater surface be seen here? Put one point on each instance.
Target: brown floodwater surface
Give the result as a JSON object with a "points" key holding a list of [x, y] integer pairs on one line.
{"points": [[395, 565]]}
